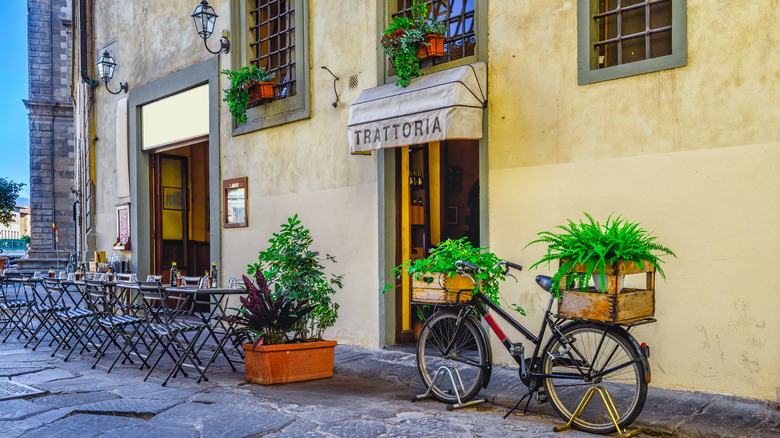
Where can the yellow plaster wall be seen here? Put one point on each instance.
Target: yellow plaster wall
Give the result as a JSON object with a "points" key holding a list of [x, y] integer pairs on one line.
{"points": [[305, 167], [693, 153]]}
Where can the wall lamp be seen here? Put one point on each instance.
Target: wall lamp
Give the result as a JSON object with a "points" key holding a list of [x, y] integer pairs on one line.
{"points": [[205, 17], [105, 68]]}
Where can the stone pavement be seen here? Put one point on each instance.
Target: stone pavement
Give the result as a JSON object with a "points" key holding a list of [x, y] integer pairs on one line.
{"points": [[368, 396]]}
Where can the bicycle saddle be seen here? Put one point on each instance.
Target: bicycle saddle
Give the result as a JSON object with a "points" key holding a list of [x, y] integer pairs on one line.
{"points": [[544, 282]]}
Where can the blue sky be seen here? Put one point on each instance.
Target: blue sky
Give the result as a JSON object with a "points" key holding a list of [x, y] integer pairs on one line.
{"points": [[14, 146]]}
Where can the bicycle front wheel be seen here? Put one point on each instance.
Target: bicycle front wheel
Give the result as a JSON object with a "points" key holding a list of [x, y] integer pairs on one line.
{"points": [[591, 358], [453, 358]]}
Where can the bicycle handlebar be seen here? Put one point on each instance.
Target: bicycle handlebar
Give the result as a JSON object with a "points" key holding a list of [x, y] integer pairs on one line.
{"points": [[461, 265]]}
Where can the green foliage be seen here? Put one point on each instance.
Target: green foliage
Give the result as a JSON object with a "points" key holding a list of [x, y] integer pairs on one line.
{"points": [[402, 38], [9, 191], [27, 239], [237, 95], [297, 273], [595, 245], [442, 259], [268, 317]]}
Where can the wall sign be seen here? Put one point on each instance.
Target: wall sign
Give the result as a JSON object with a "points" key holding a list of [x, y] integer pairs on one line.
{"points": [[235, 207]]}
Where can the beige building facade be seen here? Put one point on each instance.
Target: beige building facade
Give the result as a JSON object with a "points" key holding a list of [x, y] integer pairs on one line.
{"points": [[685, 142]]}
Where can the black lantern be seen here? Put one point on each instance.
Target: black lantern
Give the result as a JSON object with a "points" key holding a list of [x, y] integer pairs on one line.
{"points": [[205, 18], [105, 69]]}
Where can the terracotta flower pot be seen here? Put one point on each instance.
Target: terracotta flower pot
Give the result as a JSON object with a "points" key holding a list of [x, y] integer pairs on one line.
{"points": [[259, 91], [433, 46], [271, 364]]}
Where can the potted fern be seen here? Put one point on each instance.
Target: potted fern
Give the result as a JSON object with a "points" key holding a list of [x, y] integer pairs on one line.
{"points": [[288, 309], [249, 86], [406, 41], [606, 253]]}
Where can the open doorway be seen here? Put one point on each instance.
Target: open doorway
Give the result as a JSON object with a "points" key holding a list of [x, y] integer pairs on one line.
{"points": [[180, 224], [437, 195]]}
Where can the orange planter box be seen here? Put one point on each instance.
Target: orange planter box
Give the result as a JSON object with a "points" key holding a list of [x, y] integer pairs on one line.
{"points": [[282, 363], [433, 46], [258, 92]]}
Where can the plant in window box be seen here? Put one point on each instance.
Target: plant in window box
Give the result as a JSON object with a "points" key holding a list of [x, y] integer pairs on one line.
{"points": [[406, 40], [248, 87]]}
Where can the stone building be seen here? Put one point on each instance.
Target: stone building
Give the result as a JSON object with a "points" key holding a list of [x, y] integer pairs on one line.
{"points": [[50, 106]]}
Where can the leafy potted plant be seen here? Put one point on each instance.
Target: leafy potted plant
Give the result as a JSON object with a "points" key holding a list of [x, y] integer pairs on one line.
{"points": [[606, 253], [248, 87], [406, 41], [438, 269], [286, 314]]}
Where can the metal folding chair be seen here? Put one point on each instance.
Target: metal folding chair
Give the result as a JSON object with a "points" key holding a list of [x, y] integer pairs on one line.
{"points": [[102, 302], [69, 317], [14, 305], [164, 318]]}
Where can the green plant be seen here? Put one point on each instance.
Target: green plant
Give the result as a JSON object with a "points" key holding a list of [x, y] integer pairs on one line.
{"points": [[594, 245], [443, 257], [9, 191], [402, 38], [237, 95], [268, 317], [297, 273]]}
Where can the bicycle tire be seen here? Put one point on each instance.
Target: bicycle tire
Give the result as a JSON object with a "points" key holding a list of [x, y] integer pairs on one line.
{"points": [[625, 385], [468, 356]]}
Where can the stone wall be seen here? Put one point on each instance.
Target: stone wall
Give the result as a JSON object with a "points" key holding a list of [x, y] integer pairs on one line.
{"points": [[50, 108]]}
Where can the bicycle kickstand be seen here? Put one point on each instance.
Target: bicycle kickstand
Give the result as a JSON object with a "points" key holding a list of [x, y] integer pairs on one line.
{"points": [[529, 394], [437, 378]]}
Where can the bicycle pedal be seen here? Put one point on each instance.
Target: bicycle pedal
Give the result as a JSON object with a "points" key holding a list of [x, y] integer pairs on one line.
{"points": [[541, 397]]}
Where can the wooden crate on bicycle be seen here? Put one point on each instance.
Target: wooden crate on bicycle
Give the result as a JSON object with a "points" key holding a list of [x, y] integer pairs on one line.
{"points": [[617, 304], [438, 288]]}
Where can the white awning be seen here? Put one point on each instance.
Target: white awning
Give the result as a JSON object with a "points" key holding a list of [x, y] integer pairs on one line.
{"points": [[445, 105]]}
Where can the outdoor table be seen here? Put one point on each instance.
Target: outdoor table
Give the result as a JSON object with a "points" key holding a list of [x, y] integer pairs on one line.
{"points": [[214, 318]]}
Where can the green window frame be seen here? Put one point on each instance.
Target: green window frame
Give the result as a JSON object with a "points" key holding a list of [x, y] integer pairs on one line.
{"points": [[470, 28], [287, 56], [604, 37]]}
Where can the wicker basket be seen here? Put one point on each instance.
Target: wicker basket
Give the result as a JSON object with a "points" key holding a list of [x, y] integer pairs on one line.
{"points": [[437, 288]]}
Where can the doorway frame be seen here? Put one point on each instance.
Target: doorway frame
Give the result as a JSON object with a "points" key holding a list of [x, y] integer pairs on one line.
{"points": [[202, 73], [388, 223]]}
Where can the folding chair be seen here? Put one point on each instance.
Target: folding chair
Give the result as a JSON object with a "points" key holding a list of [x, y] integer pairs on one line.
{"points": [[69, 317], [164, 318], [13, 305], [102, 303]]}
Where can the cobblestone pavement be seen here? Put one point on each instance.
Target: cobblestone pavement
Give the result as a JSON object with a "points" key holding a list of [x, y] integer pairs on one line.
{"points": [[82, 402]]}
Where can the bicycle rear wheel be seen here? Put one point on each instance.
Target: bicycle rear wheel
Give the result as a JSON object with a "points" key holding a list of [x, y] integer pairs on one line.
{"points": [[442, 346], [610, 360]]}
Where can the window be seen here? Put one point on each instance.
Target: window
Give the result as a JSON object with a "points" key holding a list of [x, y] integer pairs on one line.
{"points": [[274, 36], [465, 21], [273, 42], [458, 18], [619, 38]]}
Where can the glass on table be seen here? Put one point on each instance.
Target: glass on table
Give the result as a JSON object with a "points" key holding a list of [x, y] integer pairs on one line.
{"points": [[233, 283], [133, 278], [63, 275], [37, 275], [71, 276]]}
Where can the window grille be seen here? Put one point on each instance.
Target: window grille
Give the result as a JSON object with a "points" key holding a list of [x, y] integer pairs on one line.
{"points": [[631, 30], [458, 18], [274, 42]]}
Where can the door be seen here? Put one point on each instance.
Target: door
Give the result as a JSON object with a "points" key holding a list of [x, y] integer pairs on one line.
{"points": [[437, 195], [170, 219]]}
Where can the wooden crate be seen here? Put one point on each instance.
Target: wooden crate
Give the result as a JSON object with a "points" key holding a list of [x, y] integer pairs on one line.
{"points": [[437, 288], [617, 305]]}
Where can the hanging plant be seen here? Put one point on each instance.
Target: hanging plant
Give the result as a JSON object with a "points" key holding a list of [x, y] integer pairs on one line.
{"points": [[404, 37], [241, 81]]}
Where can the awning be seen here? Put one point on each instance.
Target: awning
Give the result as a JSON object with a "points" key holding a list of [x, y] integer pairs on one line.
{"points": [[445, 105]]}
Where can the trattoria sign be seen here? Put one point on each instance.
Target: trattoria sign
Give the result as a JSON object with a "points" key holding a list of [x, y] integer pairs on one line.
{"points": [[444, 124]]}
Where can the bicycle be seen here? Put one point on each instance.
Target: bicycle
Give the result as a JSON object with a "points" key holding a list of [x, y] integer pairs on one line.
{"points": [[454, 359]]}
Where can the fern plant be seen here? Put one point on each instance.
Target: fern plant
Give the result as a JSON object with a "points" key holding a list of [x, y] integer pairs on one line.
{"points": [[237, 96], [595, 246]]}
